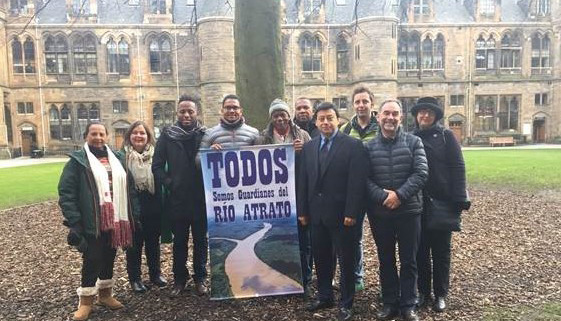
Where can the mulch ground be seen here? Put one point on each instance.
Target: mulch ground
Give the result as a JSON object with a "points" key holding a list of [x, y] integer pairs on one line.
{"points": [[508, 255]]}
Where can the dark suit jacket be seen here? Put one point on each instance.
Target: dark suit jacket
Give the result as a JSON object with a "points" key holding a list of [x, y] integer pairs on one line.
{"points": [[338, 191]]}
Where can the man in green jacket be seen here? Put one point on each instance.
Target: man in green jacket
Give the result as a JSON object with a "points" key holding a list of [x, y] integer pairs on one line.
{"points": [[363, 126]]}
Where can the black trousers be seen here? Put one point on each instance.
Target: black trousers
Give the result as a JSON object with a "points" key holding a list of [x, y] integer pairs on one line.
{"points": [[403, 230], [343, 241], [148, 236], [433, 261], [97, 260], [181, 229]]}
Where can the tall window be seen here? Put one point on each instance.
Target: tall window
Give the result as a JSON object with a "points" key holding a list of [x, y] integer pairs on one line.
{"points": [[160, 55], [510, 52], [56, 55], [485, 53], [421, 8], [408, 52], [66, 122], [17, 56], [311, 50], [86, 113], [54, 122], [118, 60], [85, 55], [158, 6], [427, 53], [312, 6], [542, 7], [414, 55], [163, 114], [18, 6], [23, 56], [540, 54], [485, 112], [508, 113], [541, 99], [342, 55], [487, 7]]}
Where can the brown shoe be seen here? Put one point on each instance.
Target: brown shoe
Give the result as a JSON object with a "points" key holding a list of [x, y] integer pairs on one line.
{"points": [[84, 308], [107, 300], [200, 288]]}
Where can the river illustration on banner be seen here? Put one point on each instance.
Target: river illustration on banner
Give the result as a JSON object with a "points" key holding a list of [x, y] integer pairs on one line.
{"points": [[252, 222]]}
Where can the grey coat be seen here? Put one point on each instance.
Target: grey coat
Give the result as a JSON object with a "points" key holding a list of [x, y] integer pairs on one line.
{"points": [[242, 135]]}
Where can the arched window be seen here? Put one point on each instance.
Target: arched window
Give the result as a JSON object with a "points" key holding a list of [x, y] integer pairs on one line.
{"points": [[508, 113], [413, 54], [485, 112], [487, 7], [438, 60], [163, 114], [29, 56], [54, 122], [118, 57], [540, 54], [82, 112], [85, 55], [17, 56], [157, 115], [485, 53], [56, 55], [402, 51], [124, 60], [112, 57], [342, 55], [311, 49], [427, 53], [510, 52], [160, 55], [66, 120]]}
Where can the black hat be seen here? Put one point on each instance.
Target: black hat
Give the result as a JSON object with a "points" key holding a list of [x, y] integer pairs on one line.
{"points": [[428, 103]]}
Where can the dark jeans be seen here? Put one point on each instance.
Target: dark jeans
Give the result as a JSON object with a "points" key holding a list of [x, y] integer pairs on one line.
{"points": [[97, 260], [148, 236], [359, 265], [180, 231], [398, 290], [306, 259], [342, 240], [435, 245]]}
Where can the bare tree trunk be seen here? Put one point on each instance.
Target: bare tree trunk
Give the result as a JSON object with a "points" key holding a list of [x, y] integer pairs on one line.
{"points": [[259, 72]]}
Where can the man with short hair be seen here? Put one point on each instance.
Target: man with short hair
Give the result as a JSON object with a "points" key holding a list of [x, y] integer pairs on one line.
{"points": [[281, 130], [232, 131], [331, 191], [177, 149], [363, 126], [303, 113], [398, 172]]}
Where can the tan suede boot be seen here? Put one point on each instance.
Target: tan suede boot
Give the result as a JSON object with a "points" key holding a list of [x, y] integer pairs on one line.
{"points": [[105, 295], [87, 297]]}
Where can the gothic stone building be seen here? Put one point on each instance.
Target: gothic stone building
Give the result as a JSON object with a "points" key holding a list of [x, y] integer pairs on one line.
{"points": [[492, 63]]}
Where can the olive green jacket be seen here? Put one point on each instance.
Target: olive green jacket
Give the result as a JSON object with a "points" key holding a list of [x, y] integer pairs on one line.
{"points": [[78, 197]]}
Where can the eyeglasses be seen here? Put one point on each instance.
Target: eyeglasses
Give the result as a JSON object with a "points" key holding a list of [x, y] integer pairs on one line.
{"points": [[232, 107]]}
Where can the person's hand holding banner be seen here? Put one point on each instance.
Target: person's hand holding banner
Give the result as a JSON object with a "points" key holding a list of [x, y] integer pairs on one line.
{"points": [[349, 221], [303, 220]]}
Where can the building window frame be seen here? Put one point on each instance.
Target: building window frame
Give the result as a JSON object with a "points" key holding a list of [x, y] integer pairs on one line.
{"points": [[311, 50], [341, 103], [541, 99], [159, 51], [511, 54], [56, 55], [486, 54], [25, 108], [421, 8], [120, 106], [118, 58], [343, 56], [541, 54], [457, 100]]}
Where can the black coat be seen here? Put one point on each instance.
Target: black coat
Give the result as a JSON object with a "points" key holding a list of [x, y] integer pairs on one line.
{"points": [[174, 165], [338, 191], [400, 165], [447, 171]]}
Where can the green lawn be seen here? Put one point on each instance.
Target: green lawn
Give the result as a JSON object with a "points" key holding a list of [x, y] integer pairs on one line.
{"points": [[530, 170], [29, 184]]}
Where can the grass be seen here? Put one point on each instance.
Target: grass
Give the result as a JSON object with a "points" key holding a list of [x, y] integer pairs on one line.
{"points": [[546, 312], [526, 170], [29, 184]]}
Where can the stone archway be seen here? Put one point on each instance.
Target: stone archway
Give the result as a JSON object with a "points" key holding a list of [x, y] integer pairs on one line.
{"points": [[28, 140], [540, 121], [120, 128], [456, 123]]}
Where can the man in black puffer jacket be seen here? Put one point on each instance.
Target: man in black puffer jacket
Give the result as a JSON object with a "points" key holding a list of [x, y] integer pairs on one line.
{"points": [[398, 173]]}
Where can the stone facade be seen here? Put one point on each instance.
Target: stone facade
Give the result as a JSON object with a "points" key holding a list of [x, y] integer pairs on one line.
{"points": [[456, 50]]}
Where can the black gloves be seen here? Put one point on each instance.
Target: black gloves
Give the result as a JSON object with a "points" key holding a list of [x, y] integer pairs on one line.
{"points": [[76, 238]]}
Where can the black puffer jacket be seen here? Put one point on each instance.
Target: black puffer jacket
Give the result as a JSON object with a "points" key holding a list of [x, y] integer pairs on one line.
{"points": [[447, 171], [400, 165]]}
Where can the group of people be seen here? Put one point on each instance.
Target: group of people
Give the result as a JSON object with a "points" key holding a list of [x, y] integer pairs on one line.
{"points": [[366, 167]]}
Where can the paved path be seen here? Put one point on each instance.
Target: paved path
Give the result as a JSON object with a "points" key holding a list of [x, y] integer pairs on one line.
{"points": [[26, 161]]}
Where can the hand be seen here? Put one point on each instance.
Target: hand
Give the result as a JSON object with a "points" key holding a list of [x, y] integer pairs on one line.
{"points": [[349, 221], [297, 145], [216, 146], [74, 235], [303, 220], [392, 201]]}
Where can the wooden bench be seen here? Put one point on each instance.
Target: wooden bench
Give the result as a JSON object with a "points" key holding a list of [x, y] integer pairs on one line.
{"points": [[501, 141]]}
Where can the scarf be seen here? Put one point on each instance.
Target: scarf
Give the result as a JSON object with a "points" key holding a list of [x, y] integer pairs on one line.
{"points": [[114, 209], [180, 133], [140, 166], [233, 125]]}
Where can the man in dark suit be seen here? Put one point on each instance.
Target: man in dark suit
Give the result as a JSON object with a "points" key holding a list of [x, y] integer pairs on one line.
{"points": [[331, 193]]}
